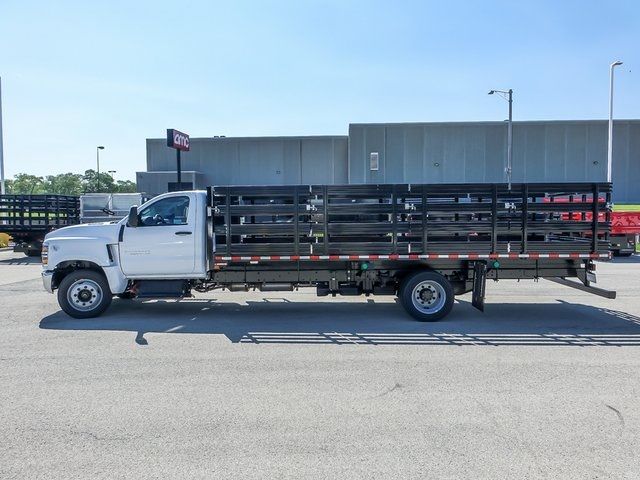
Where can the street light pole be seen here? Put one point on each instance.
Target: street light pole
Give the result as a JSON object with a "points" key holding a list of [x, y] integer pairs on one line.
{"points": [[510, 138], [98, 164], [610, 143], [2, 186], [508, 95]]}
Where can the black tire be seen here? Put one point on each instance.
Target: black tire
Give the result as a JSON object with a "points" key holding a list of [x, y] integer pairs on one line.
{"points": [[438, 296], [33, 253], [90, 293]]}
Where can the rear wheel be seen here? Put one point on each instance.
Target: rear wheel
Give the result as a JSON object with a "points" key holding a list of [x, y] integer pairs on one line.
{"points": [[84, 294], [427, 296]]}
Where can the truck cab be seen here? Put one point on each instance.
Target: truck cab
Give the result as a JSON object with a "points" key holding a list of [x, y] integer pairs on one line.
{"points": [[165, 238]]}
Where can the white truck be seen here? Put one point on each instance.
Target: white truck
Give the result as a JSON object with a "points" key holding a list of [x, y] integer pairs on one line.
{"points": [[423, 243]]}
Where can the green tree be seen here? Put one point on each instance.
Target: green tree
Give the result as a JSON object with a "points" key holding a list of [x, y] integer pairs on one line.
{"points": [[25, 184], [67, 184], [64, 184], [126, 186], [90, 183]]}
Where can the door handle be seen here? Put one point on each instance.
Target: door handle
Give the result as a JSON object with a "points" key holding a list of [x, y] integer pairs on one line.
{"points": [[183, 233]]}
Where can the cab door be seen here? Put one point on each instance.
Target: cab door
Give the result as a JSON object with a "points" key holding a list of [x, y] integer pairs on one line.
{"points": [[163, 243]]}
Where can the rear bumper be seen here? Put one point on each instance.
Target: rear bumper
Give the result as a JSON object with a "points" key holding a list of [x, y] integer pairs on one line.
{"points": [[47, 281]]}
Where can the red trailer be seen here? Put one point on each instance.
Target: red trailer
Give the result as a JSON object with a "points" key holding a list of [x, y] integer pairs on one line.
{"points": [[625, 232], [625, 226]]}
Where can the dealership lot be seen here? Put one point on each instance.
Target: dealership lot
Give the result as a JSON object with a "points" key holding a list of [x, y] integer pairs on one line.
{"points": [[545, 384]]}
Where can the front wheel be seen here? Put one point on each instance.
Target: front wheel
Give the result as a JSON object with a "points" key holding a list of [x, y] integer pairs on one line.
{"points": [[84, 294], [426, 296]]}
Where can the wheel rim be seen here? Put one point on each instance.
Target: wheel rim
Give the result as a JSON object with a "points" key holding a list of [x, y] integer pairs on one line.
{"points": [[428, 297], [84, 295]]}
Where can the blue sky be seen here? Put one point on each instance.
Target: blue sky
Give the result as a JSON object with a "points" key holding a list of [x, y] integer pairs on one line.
{"points": [[77, 74]]}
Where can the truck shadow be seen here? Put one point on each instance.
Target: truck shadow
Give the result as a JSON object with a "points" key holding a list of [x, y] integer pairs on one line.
{"points": [[278, 321], [21, 260]]}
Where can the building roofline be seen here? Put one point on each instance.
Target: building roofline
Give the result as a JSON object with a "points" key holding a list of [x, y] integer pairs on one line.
{"points": [[264, 138], [170, 171], [402, 124], [491, 122]]}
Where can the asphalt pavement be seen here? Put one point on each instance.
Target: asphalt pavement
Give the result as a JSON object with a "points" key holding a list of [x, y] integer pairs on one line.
{"points": [[544, 384]]}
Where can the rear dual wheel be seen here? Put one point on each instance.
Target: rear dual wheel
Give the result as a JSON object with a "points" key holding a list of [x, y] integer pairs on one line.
{"points": [[426, 296]]}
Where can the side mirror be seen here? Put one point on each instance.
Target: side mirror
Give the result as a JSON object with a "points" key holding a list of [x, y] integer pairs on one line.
{"points": [[134, 219]]}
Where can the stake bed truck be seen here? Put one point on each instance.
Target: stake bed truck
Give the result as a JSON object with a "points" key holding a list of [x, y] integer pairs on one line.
{"points": [[423, 243], [28, 218]]}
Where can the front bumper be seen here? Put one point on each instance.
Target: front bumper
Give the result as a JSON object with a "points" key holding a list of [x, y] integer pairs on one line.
{"points": [[47, 281]]}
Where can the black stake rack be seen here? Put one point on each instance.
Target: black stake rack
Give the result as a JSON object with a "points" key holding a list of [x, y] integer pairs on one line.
{"points": [[411, 218]]}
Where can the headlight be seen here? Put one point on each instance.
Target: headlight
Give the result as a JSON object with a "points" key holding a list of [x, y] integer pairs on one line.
{"points": [[45, 254]]}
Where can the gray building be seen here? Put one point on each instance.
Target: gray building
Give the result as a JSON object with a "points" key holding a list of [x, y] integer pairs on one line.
{"points": [[247, 161], [461, 152]]}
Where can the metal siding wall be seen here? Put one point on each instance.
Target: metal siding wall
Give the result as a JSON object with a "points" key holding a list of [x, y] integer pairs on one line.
{"points": [[291, 163], [495, 153], [432, 154], [356, 156], [623, 167], [476, 152], [259, 163], [533, 167], [453, 164], [632, 176], [155, 183], [317, 161], [220, 171], [413, 154], [555, 151], [159, 156], [269, 161], [576, 154], [395, 166], [596, 155], [340, 161], [463, 152]]}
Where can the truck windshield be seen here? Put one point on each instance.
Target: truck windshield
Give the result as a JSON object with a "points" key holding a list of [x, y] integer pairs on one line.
{"points": [[168, 211]]}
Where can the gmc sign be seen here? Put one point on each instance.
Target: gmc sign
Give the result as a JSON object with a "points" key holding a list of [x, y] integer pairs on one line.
{"points": [[177, 140]]}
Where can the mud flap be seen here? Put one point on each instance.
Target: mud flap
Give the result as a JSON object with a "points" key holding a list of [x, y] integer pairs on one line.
{"points": [[479, 284]]}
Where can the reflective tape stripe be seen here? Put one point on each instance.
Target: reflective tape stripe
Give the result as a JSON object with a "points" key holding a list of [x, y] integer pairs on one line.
{"points": [[411, 256]]}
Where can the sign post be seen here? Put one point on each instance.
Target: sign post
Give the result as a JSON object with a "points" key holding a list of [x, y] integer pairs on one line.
{"points": [[180, 142]]}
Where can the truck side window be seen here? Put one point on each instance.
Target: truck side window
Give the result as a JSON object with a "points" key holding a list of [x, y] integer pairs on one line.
{"points": [[168, 211]]}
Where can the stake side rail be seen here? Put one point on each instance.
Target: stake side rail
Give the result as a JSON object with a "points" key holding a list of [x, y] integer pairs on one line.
{"points": [[37, 213], [477, 220]]}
